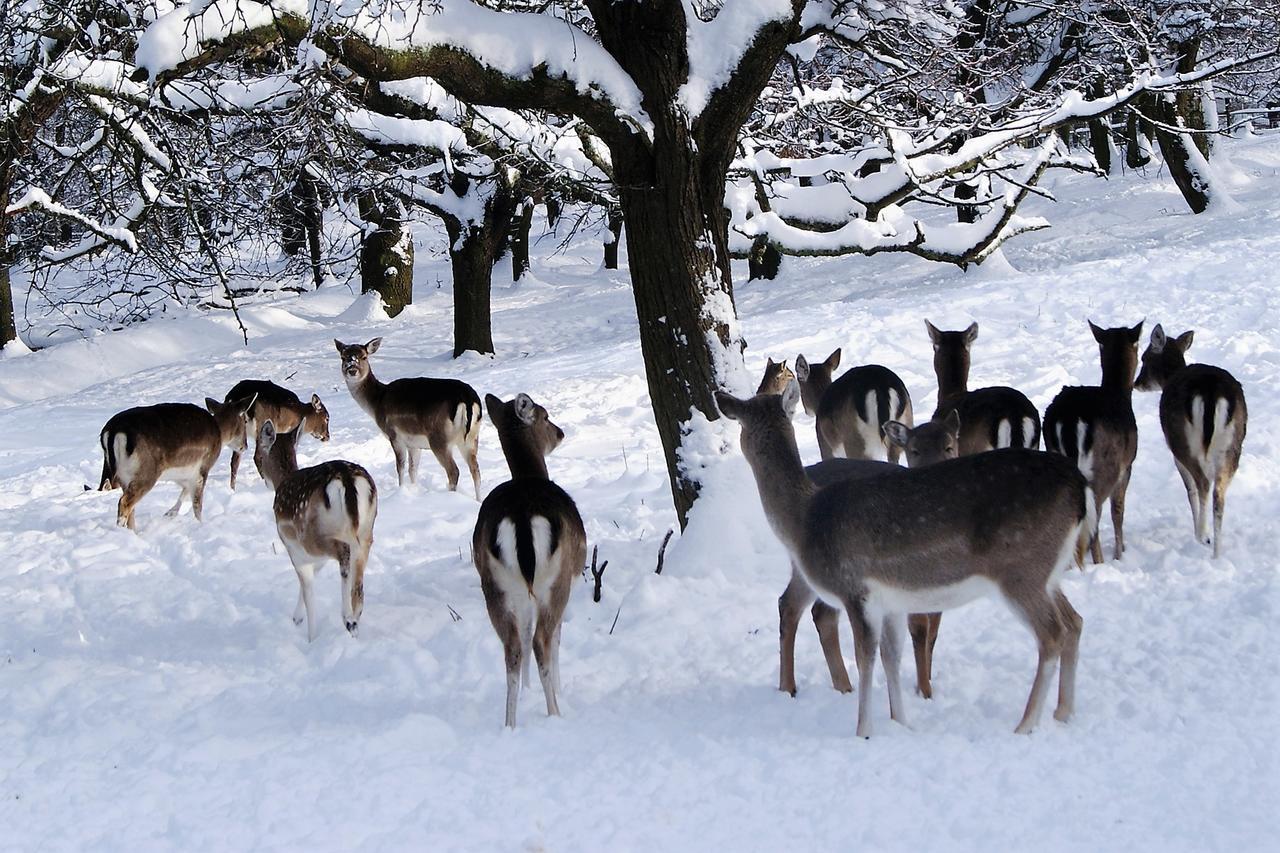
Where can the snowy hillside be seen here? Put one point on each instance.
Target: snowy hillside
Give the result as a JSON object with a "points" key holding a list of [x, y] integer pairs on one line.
{"points": [[154, 693]]}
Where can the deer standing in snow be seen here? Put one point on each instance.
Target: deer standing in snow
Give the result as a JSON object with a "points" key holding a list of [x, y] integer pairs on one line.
{"points": [[179, 442], [777, 376], [1204, 417], [1008, 522], [283, 408], [848, 411], [529, 544], [416, 413], [324, 512]]}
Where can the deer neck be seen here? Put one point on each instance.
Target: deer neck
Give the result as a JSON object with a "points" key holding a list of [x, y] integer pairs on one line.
{"points": [[1117, 374], [367, 391], [524, 461], [953, 376], [785, 489]]}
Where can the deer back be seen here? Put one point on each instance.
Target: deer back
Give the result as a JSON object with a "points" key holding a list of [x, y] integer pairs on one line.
{"points": [[167, 436], [1204, 418], [327, 505], [282, 407]]}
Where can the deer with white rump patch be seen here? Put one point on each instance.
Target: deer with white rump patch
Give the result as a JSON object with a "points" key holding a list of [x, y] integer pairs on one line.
{"points": [[1008, 522], [325, 512], [1204, 417], [179, 442], [848, 411], [529, 544], [416, 413]]}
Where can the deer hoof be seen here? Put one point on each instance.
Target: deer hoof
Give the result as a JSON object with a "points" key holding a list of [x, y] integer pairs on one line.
{"points": [[353, 629]]}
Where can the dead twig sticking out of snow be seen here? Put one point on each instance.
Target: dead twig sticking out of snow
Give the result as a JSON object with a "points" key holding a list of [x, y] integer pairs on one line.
{"points": [[597, 574], [457, 617], [662, 550]]}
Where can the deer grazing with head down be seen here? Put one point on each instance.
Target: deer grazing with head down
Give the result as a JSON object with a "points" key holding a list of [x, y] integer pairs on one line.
{"points": [[529, 544], [990, 418], [1008, 522], [1204, 418], [416, 413], [848, 411], [1094, 427], [283, 408], [168, 441], [324, 512]]}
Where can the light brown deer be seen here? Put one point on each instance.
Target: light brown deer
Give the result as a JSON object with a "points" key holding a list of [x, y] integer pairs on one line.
{"points": [[178, 442], [777, 376], [848, 411], [416, 413], [1204, 418], [324, 512], [283, 408], [1007, 522], [529, 544]]}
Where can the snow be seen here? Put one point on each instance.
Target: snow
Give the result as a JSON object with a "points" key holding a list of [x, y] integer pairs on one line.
{"points": [[154, 693], [716, 47]]}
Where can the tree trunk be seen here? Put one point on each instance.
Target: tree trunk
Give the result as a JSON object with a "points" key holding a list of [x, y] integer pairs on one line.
{"points": [[474, 248], [386, 253], [553, 211], [764, 261], [8, 328], [967, 191], [1190, 101], [615, 236], [1185, 161], [1137, 151], [520, 225]]}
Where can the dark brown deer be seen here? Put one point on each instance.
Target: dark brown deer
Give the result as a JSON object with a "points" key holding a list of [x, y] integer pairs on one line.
{"points": [[324, 512], [416, 413], [1008, 522], [1094, 427], [275, 454], [990, 418], [529, 544], [848, 411], [283, 408], [1204, 418], [178, 442]]}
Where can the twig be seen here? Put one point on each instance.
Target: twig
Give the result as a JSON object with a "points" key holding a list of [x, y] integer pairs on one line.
{"points": [[597, 574], [457, 617], [662, 550]]}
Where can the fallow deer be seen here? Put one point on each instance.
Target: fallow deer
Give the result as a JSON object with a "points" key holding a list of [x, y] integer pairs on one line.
{"points": [[275, 454], [1007, 522], [1094, 427], [178, 442], [529, 544], [324, 512], [1204, 417], [990, 418], [850, 410], [777, 376], [416, 413], [283, 408]]}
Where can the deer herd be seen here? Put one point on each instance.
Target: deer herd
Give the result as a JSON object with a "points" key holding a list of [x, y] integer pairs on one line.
{"points": [[978, 510]]}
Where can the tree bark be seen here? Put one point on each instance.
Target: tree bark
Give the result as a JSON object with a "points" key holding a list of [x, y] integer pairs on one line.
{"points": [[615, 236], [386, 253], [474, 248], [8, 327], [1190, 102], [1137, 152], [521, 222], [1185, 161]]}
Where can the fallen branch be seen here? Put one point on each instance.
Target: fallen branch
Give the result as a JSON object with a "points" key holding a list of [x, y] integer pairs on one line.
{"points": [[597, 574], [662, 551]]}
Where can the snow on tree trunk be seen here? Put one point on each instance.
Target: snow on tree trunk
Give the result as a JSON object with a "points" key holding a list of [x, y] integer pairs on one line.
{"points": [[474, 248], [386, 253], [1187, 165]]}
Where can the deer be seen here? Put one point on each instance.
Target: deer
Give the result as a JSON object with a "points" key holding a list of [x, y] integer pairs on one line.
{"points": [[990, 418], [848, 411], [178, 442], [324, 512], [924, 445], [416, 413], [776, 377], [1204, 418], [283, 408], [1009, 522], [529, 545], [275, 453], [1094, 426]]}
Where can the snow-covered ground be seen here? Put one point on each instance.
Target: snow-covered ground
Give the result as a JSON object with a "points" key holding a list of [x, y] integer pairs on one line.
{"points": [[154, 693]]}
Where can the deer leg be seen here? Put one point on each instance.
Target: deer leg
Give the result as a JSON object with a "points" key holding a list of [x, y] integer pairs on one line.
{"points": [[1219, 507], [306, 572], [865, 641], [183, 488], [398, 449], [918, 627], [891, 659], [440, 447], [543, 637], [412, 454], [197, 496], [555, 660], [509, 633], [235, 466], [1042, 614], [935, 622], [827, 620], [343, 551], [1095, 544], [133, 492], [1193, 496], [1117, 509], [473, 461], [794, 599], [1073, 623]]}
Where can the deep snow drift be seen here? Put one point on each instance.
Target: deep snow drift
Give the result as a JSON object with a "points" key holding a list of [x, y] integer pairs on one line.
{"points": [[155, 694]]}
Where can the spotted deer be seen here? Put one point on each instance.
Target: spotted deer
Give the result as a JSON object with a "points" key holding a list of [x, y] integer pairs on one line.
{"points": [[324, 512], [848, 411], [990, 418], [1094, 427], [283, 408], [416, 413], [1204, 418], [1008, 522], [529, 544], [777, 376], [179, 442]]}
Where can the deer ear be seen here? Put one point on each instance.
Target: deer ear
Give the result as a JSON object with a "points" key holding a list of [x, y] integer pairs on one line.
{"points": [[373, 345], [790, 398], [897, 432], [1097, 331], [493, 405], [1183, 341], [339, 345], [833, 360], [267, 434], [935, 334], [952, 422], [525, 408], [1135, 333], [212, 405], [802, 368], [316, 404], [769, 364], [730, 406], [971, 334], [1158, 339]]}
